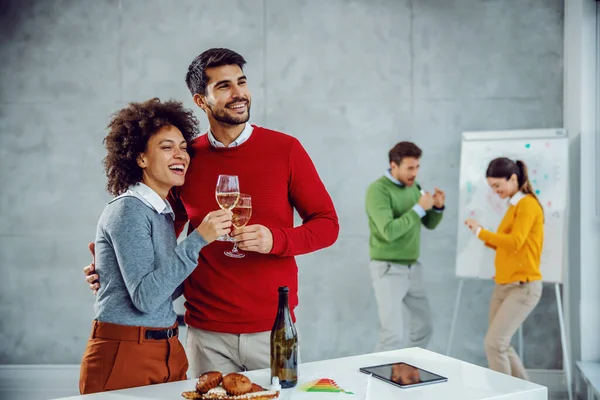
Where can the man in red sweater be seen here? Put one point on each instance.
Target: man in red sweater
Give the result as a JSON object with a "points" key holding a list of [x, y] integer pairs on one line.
{"points": [[231, 303]]}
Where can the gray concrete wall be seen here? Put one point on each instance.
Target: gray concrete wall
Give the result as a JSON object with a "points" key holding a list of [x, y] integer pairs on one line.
{"points": [[348, 78]]}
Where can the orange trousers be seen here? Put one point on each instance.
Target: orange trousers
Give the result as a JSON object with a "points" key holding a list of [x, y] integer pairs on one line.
{"points": [[120, 357]]}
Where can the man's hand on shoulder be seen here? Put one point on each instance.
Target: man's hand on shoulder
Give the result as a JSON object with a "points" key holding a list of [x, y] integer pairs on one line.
{"points": [[91, 277]]}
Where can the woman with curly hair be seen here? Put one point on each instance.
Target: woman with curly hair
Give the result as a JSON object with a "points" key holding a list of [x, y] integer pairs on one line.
{"points": [[134, 339]]}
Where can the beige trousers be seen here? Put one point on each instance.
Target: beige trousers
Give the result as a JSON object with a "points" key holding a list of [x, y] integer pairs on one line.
{"points": [[226, 352], [404, 312], [509, 307]]}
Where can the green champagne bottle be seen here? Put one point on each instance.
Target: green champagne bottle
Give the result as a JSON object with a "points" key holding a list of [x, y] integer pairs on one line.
{"points": [[284, 344]]}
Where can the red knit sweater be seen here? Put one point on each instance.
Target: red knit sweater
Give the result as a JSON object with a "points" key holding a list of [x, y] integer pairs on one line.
{"points": [[230, 295]]}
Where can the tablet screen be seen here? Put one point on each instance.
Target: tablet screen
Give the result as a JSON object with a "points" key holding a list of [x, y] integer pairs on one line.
{"points": [[403, 374]]}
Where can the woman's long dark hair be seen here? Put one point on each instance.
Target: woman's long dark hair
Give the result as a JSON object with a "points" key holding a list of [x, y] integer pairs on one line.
{"points": [[503, 167]]}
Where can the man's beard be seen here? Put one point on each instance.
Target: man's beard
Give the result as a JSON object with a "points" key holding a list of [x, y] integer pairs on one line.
{"points": [[225, 118]]}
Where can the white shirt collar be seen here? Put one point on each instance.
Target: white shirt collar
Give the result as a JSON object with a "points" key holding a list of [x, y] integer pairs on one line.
{"points": [[388, 174], [151, 198], [245, 135], [516, 198]]}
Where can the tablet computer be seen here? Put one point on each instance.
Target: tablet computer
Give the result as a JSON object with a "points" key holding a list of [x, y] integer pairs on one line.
{"points": [[403, 375]]}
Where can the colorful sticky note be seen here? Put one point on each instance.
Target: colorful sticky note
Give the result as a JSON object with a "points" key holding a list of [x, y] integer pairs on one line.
{"points": [[527, 145], [469, 187], [549, 203], [535, 171], [534, 181], [546, 176], [472, 213], [322, 385], [537, 192]]}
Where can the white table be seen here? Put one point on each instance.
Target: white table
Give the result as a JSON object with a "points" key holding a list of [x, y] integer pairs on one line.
{"points": [[465, 381]]}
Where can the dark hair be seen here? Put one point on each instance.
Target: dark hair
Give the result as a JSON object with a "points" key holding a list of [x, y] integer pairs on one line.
{"points": [[196, 78], [403, 150], [504, 167], [129, 131]]}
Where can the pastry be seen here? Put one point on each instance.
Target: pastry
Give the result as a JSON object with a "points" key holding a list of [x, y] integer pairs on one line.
{"points": [[257, 388], [219, 393], [229, 387], [208, 380], [236, 384], [191, 395]]}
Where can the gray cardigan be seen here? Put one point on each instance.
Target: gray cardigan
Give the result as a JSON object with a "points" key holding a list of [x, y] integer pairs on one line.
{"points": [[140, 264]]}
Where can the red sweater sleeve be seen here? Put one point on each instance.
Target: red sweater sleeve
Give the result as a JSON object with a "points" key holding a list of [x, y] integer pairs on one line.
{"points": [[309, 197], [181, 216]]}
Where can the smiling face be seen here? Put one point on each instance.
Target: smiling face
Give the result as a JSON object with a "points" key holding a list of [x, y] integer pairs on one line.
{"points": [[227, 99], [503, 187], [165, 160]]}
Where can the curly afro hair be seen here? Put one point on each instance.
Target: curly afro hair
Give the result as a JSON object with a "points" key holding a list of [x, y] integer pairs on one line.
{"points": [[129, 131]]}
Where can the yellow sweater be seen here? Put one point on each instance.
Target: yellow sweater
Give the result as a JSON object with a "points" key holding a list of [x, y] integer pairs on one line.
{"points": [[518, 242]]}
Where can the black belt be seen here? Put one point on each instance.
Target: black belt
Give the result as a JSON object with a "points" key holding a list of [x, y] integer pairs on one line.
{"points": [[161, 334]]}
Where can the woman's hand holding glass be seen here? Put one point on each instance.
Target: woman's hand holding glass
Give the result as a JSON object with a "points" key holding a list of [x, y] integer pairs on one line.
{"points": [[215, 224]]}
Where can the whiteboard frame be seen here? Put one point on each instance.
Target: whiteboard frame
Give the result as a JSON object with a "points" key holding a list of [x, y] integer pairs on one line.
{"points": [[553, 133]]}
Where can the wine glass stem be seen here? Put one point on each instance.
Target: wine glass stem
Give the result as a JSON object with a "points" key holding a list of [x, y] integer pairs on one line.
{"points": [[234, 250]]}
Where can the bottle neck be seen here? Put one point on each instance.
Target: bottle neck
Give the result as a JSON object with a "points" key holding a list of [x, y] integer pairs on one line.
{"points": [[283, 301]]}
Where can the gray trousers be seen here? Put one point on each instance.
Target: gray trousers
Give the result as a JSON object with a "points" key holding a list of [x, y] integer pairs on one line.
{"points": [[404, 312], [226, 352]]}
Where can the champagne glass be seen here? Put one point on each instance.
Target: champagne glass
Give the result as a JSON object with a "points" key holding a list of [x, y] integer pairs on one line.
{"points": [[241, 215], [227, 193]]}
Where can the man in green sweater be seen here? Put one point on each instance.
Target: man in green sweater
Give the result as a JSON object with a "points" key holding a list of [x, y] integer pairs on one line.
{"points": [[396, 207]]}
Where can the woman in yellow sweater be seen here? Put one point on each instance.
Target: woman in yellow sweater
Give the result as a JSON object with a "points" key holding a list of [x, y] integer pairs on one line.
{"points": [[518, 244]]}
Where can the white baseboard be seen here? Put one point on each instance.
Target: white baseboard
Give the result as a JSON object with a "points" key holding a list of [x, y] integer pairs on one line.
{"points": [[38, 382]]}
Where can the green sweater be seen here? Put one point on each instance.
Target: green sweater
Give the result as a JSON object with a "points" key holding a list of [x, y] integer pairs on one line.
{"points": [[394, 224]]}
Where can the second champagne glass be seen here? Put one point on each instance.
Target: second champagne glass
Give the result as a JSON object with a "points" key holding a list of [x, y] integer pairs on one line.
{"points": [[227, 194], [241, 215]]}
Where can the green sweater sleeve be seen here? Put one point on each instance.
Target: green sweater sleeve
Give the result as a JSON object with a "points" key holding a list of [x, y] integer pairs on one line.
{"points": [[379, 210], [432, 218]]}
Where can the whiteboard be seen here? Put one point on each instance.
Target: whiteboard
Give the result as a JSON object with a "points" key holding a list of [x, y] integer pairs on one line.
{"points": [[545, 152]]}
